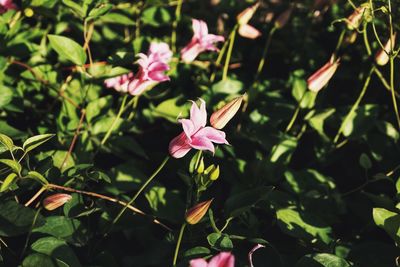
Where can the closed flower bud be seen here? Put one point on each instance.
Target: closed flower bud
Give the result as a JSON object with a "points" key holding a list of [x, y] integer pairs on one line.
{"points": [[382, 57], [55, 201], [245, 16], [196, 213], [322, 76], [355, 19], [223, 115], [200, 168], [214, 174], [248, 31], [283, 18]]}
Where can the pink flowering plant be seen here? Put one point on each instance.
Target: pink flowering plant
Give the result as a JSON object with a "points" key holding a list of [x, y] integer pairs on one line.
{"points": [[199, 133]]}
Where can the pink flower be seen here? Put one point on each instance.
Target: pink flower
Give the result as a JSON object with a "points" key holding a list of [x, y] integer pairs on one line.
{"points": [[151, 71], [321, 77], [246, 30], [196, 134], [223, 259], [201, 41], [6, 5]]}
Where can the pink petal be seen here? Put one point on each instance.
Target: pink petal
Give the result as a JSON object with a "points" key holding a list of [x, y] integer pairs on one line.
{"points": [[198, 115], [199, 28], [137, 87], [198, 263], [202, 143], [188, 127], [191, 51], [212, 134], [179, 147], [223, 259], [160, 52], [248, 31]]}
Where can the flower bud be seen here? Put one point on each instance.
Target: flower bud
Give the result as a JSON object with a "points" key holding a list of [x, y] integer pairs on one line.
{"points": [[245, 16], [322, 76], [248, 31], [283, 18], [200, 168], [355, 19], [222, 116], [55, 201], [382, 57], [214, 174], [196, 213]]}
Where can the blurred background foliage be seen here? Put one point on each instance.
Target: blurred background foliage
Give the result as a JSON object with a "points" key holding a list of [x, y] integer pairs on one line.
{"points": [[311, 201]]}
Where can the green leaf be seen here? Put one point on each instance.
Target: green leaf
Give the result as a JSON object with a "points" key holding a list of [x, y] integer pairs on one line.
{"points": [[7, 141], [8, 182], [284, 149], [220, 241], [227, 86], [155, 16], [322, 260], [388, 221], [16, 219], [38, 259], [171, 109], [36, 141], [37, 176], [14, 165], [56, 249], [196, 252], [99, 11], [75, 7], [303, 225], [317, 121], [95, 107], [365, 162], [68, 49], [117, 18]]}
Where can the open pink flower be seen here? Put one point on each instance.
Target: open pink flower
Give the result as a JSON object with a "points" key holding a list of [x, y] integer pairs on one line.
{"points": [[196, 134], [6, 5], [201, 41], [151, 71], [223, 259]]}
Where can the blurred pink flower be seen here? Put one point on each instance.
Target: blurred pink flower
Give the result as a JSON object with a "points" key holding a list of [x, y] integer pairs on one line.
{"points": [[223, 259], [201, 41], [196, 134], [151, 71], [6, 5], [322, 76], [248, 31]]}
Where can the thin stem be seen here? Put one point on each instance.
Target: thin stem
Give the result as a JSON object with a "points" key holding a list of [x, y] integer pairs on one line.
{"points": [[391, 59], [74, 139], [96, 195], [175, 25], [229, 53], [373, 25], [296, 113], [366, 41], [340, 41], [355, 105], [178, 244], [219, 59], [264, 54], [38, 193], [140, 190], [30, 233], [120, 111]]}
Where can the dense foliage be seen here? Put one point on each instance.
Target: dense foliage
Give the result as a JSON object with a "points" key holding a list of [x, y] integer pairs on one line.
{"points": [[104, 161]]}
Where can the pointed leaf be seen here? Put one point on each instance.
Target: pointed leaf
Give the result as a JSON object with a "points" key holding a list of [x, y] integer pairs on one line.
{"points": [[14, 165], [37, 176], [8, 182], [7, 141], [68, 48], [35, 141]]}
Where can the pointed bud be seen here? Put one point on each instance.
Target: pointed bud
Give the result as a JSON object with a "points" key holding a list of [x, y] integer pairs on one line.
{"points": [[200, 168], [54, 201], [382, 57], [196, 213], [222, 116], [248, 31], [283, 18], [214, 174], [245, 16], [322, 76], [355, 19]]}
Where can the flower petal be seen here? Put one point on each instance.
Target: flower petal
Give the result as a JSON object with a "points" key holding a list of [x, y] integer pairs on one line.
{"points": [[191, 51], [179, 146], [202, 143], [198, 115], [212, 134], [198, 263], [188, 127], [223, 259], [199, 28], [249, 32]]}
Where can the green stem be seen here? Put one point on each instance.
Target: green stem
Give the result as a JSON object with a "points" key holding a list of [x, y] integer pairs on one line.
{"points": [[296, 113], [264, 54], [340, 41], [229, 53], [175, 25], [366, 41], [355, 105], [121, 109], [219, 59], [140, 190], [178, 244]]}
